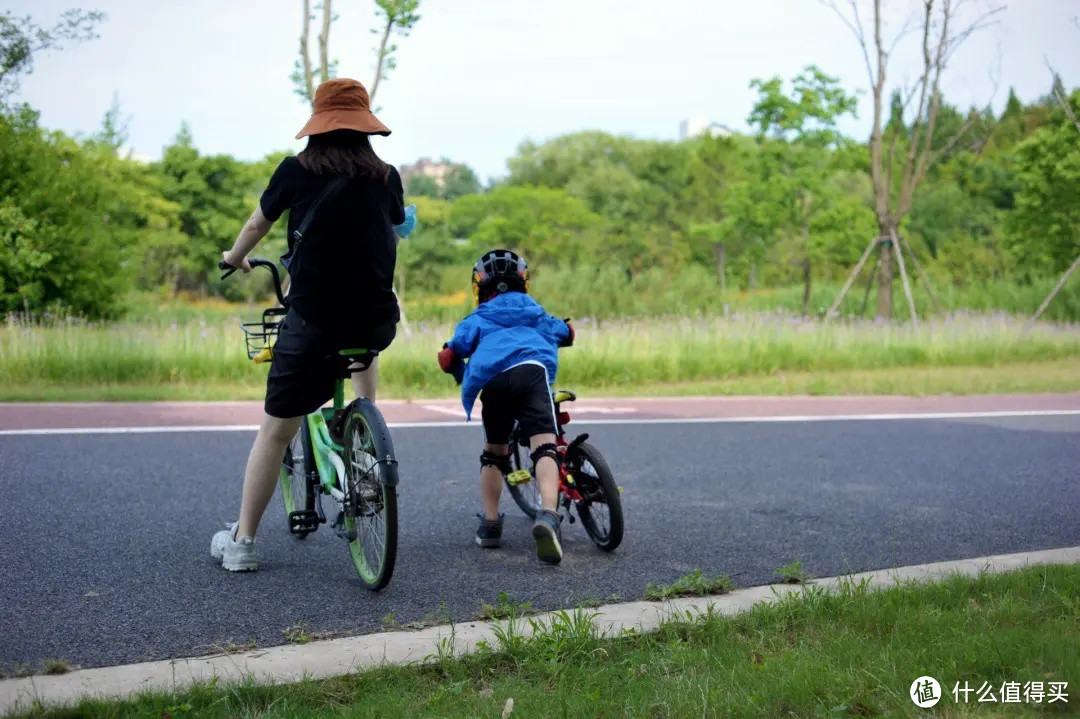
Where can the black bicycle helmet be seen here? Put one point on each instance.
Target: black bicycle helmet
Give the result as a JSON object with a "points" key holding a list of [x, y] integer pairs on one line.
{"points": [[499, 271]]}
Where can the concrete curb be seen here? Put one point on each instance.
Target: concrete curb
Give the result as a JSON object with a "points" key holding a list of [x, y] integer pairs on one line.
{"points": [[336, 657]]}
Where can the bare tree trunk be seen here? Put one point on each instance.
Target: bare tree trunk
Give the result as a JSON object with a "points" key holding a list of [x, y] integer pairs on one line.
{"points": [[721, 265], [305, 57], [806, 286], [807, 201], [885, 279], [324, 42]]}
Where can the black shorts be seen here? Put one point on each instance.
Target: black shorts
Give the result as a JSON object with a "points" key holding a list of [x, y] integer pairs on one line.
{"points": [[306, 363], [520, 393]]}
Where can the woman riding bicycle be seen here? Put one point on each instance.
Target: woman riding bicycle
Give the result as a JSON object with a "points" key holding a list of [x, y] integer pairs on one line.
{"points": [[341, 293]]}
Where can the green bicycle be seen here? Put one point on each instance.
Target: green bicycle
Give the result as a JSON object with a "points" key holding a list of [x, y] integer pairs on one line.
{"points": [[344, 452]]}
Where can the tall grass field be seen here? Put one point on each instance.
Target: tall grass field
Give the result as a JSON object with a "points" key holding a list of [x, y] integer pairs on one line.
{"points": [[206, 359]]}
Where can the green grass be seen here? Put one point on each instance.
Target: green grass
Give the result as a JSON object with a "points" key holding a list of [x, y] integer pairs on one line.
{"points": [[813, 654], [751, 354]]}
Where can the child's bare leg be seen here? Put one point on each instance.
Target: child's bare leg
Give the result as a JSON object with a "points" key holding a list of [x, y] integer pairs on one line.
{"points": [[547, 473], [491, 481]]}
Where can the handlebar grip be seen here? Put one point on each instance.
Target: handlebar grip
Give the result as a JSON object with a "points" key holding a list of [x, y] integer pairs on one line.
{"points": [[229, 269]]}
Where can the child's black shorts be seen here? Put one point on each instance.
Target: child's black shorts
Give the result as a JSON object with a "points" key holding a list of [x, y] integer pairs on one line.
{"points": [[306, 363], [520, 393]]}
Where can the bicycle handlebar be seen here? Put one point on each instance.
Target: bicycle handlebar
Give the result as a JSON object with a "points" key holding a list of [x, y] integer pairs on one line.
{"points": [[258, 262]]}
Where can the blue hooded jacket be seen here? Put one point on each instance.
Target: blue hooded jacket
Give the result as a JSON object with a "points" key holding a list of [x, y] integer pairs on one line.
{"points": [[507, 330]]}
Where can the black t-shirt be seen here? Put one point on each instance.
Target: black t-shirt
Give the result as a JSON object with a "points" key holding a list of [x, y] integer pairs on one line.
{"points": [[343, 272]]}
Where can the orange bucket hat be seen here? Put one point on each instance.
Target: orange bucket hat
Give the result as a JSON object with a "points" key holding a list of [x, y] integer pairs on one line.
{"points": [[342, 104]]}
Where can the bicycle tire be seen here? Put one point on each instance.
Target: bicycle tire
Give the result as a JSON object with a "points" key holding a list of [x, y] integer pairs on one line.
{"points": [[371, 495], [297, 492], [526, 496], [598, 488]]}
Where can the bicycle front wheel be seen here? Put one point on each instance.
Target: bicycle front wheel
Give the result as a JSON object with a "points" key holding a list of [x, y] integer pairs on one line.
{"points": [[600, 509], [371, 494], [297, 492]]}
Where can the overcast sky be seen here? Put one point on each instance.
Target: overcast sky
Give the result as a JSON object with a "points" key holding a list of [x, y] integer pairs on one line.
{"points": [[476, 77]]}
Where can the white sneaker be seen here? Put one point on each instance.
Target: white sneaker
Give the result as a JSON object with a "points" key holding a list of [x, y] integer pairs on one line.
{"points": [[236, 556]]}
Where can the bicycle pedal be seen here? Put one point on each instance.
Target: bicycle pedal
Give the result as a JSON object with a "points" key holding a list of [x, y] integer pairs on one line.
{"points": [[303, 522], [517, 477]]}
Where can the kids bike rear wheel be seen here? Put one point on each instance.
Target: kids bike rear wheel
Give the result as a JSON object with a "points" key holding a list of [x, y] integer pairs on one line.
{"points": [[600, 509], [526, 495], [371, 494], [297, 493]]}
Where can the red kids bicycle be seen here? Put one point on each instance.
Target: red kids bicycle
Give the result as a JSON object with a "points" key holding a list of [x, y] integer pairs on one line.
{"points": [[585, 481]]}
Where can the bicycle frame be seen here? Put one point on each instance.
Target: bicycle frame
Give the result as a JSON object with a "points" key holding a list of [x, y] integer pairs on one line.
{"points": [[328, 462]]}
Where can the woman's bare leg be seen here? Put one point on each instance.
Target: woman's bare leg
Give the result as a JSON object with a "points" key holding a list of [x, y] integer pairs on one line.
{"points": [[263, 468]]}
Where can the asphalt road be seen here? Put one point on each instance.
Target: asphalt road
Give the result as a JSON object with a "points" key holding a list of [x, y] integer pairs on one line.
{"points": [[105, 537]]}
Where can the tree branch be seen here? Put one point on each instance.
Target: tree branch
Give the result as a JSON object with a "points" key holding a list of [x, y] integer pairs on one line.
{"points": [[856, 29], [380, 57]]}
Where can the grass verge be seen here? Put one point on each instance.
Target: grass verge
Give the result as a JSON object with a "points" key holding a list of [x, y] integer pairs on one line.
{"points": [[812, 654], [1061, 375]]}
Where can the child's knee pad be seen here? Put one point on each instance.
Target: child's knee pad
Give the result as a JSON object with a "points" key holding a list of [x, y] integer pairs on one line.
{"points": [[548, 449], [501, 461]]}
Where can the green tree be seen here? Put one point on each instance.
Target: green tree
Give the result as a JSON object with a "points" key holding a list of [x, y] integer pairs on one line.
{"points": [[545, 224], [214, 195], [420, 185], [460, 180], [797, 134], [1044, 229]]}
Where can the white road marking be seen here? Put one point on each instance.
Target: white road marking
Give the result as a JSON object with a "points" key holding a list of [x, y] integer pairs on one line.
{"points": [[636, 420], [452, 411], [590, 409]]}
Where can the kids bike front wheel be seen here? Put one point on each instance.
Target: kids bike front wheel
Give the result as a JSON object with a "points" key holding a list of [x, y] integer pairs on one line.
{"points": [[600, 508], [371, 495], [295, 480]]}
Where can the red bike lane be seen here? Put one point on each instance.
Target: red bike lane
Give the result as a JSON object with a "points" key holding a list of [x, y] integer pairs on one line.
{"points": [[26, 416]]}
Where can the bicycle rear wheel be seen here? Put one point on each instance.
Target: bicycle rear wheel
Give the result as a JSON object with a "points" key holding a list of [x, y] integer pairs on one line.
{"points": [[371, 494], [601, 507], [527, 495], [295, 480]]}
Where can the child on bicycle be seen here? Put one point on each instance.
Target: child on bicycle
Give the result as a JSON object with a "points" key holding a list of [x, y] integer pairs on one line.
{"points": [[511, 345]]}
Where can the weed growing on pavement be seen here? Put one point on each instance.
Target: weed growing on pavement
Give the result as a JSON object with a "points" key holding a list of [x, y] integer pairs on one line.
{"points": [[695, 584], [504, 608], [793, 573]]}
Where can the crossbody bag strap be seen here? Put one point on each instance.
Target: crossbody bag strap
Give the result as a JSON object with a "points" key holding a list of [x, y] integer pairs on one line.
{"points": [[331, 189]]}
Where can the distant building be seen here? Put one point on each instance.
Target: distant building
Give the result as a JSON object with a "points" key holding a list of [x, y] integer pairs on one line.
{"points": [[426, 166], [698, 126]]}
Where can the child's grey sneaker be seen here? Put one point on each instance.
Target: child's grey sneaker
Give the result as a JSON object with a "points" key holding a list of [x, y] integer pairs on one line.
{"points": [[236, 556], [546, 533], [489, 532]]}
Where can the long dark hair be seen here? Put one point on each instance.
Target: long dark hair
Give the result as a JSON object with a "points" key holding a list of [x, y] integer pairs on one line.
{"points": [[343, 152]]}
